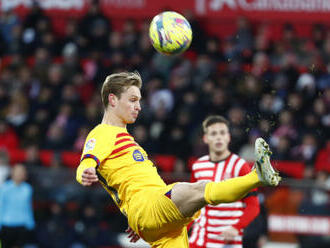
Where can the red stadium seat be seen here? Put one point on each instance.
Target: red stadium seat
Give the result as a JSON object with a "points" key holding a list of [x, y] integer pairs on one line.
{"points": [[165, 162], [46, 157], [71, 159], [16, 156]]}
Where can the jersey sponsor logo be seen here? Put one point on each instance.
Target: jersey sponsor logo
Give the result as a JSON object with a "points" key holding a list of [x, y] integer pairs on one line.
{"points": [[90, 144], [137, 155]]}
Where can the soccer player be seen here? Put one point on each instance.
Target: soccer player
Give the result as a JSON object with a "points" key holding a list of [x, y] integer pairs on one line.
{"points": [[221, 224], [156, 212]]}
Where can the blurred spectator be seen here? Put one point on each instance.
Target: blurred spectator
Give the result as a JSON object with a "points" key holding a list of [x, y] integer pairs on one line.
{"points": [[236, 117], [42, 63], [8, 21], [319, 107], [286, 128], [176, 137], [55, 232], [281, 84], [324, 81], [34, 17], [71, 64], [282, 149], [17, 111], [270, 105], [263, 38], [311, 124], [323, 158], [213, 49], [306, 84], [3, 96], [306, 150], [326, 49], [129, 36], [55, 138], [318, 35], [8, 137], [3, 46], [261, 67], [55, 79], [4, 166], [204, 68], [32, 156], [316, 203], [141, 136], [243, 36], [36, 26], [115, 43], [162, 98], [265, 128], [71, 35], [296, 106], [68, 121], [31, 135], [92, 113], [16, 211], [218, 102], [247, 151], [94, 29], [49, 41], [90, 230], [80, 140], [290, 38], [249, 90]]}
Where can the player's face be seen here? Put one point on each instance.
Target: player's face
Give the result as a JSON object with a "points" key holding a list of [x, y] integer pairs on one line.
{"points": [[128, 107], [217, 137]]}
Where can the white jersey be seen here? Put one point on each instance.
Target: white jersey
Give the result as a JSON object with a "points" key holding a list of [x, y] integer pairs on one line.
{"points": [[213, 220]]}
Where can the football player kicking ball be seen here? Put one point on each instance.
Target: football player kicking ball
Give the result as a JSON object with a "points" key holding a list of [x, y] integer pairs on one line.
{"points": [[156, 212]]}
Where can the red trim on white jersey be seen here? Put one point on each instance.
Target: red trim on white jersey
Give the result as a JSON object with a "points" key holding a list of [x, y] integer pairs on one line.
{"points": [[213, 220]]}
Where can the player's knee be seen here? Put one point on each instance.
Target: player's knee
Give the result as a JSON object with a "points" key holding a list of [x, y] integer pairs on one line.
{"points": [[198, 189]]}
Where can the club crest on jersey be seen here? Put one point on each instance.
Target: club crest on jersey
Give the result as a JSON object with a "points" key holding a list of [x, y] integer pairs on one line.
{"points": [[90, 144], [137, 155]]}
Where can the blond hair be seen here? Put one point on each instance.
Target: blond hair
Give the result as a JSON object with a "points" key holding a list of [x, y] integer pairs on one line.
{"points": [[117, 83]]}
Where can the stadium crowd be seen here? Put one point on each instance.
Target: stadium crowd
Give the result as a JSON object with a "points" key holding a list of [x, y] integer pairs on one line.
{"points": [[49, 94]]}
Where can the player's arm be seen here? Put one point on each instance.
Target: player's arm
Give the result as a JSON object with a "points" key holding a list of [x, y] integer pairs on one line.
{"points": [[250, 212], [86, 172], [98, 146], [251, 202]]}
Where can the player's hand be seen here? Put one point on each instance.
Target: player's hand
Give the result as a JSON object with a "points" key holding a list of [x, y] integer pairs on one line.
{"points": [[230, 233], [132, 235], [89, 176]]}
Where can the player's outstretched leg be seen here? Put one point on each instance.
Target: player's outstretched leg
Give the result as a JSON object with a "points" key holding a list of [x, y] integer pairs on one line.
{"points": [[266, 173], [190, 197]]}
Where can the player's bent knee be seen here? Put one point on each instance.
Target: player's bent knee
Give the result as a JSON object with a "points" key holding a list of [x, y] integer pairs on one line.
{"points": [[198, 188]]}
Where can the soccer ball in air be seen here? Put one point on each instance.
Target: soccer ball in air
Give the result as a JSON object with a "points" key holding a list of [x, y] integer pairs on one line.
{"points": [[170, 33]]}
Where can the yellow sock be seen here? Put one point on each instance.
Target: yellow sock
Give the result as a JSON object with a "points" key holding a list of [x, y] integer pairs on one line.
{"points": [[232, 189]]}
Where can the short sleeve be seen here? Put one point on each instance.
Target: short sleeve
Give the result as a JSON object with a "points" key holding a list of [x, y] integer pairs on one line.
{"points": [[245, 169]]}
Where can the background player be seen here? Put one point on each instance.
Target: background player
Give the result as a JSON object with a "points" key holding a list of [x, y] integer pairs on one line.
{"points": [[156, 212], [223, 223]]}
